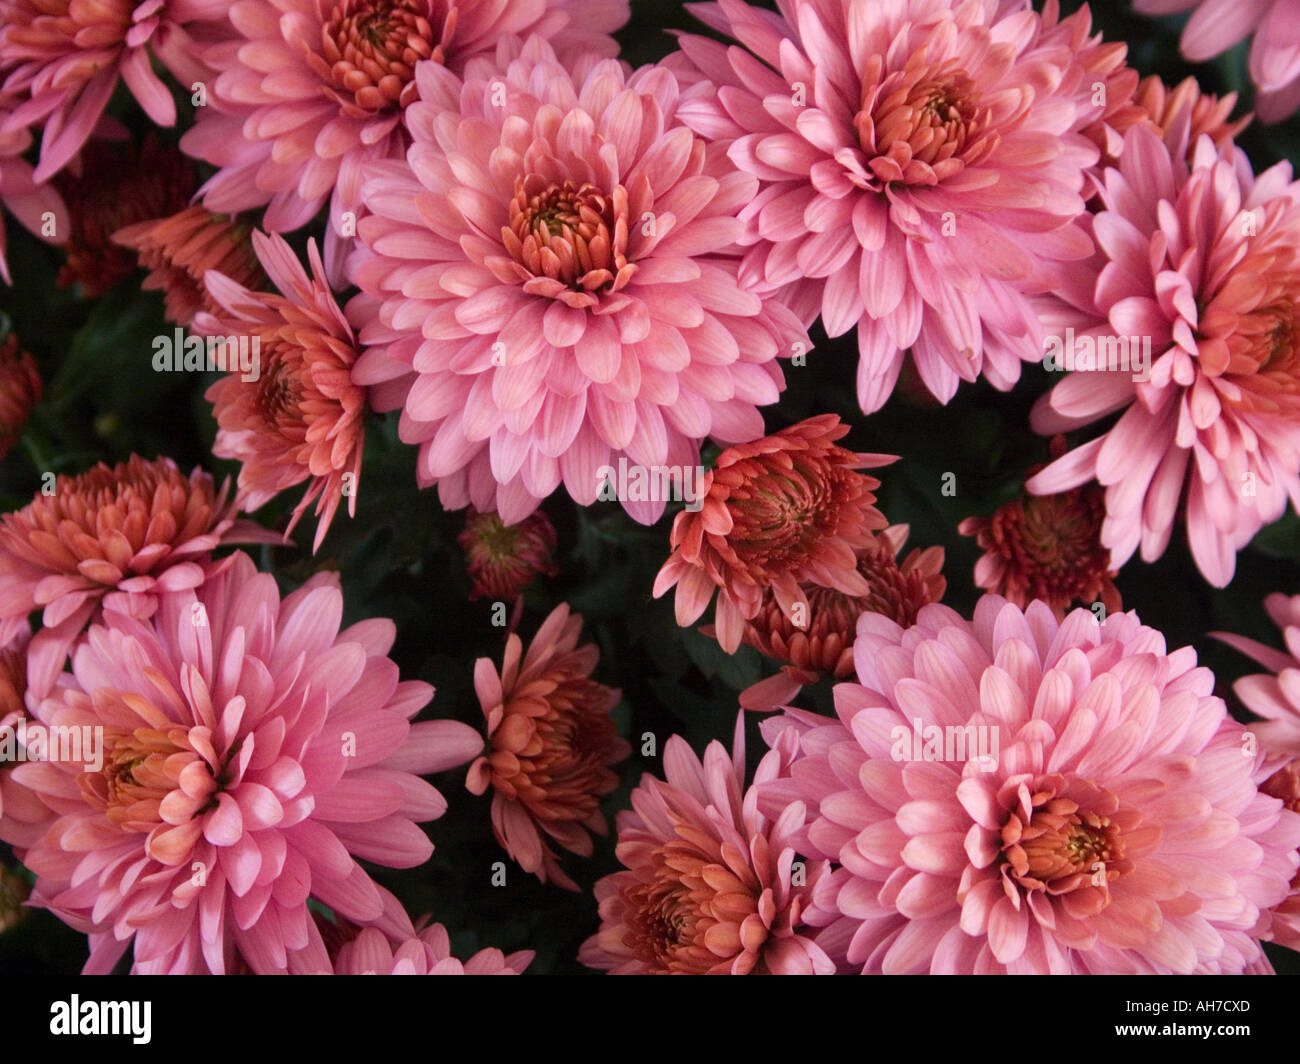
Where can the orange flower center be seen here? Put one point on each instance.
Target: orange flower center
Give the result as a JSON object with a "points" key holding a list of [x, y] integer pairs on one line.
{"points": [[141, 768], [278, 393], [369, 49], [1063, 847], [576, 235], [923, 123]]}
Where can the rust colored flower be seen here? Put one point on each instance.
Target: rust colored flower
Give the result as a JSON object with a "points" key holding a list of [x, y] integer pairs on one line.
{"points": [[1284, 785], [552, 744], [821, 644], [1209, 113], [179, 249], [1047, 547], [112, 537], [20, 388], [302, 418], [502, 559], [117, 186], [781, 513]]}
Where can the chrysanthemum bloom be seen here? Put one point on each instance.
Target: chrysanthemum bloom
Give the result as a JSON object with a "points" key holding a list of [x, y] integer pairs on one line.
{"points": [[503, 560], [118, 537], [545, 287], [712, 885], [252, 753], [178, 250], [822, 645], [31, 202], [116, 187], [1046, 547], [1274, 695], [1217, 25], [787, 511], [20, 389], [63, 58], [1210, 115], [1025, 795], [311, 90], [922, 168], [302, 418], [552, 746], [414, 950], [1210, 282]]}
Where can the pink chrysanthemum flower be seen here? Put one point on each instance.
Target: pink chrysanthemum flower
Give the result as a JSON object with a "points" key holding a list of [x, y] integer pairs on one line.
{"points": [[503, 560], [712, 885], [62, 59], [28, 200], [1217, 25], [545, 292], [412, 950], [552, 746], [776, 517], [922, 167], [1198, 265], [20, 389], [302, 418], [252, 752], [1020, 794], [1208, 115], [115, 537], [1274, 695], [311, 90]]}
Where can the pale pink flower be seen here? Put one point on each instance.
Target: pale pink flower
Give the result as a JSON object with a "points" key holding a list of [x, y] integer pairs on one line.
{"points": [[28, 200], [1201, 261], [711, 884], [252, 753], [922, 164], [545, 289], [60, 61], [310, 90], [1217, 25], [1025, 795]]}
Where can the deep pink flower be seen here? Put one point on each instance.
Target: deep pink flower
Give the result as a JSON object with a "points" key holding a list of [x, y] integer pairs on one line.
{"points": [[711, 884], [544, 286], [922, 168], [252, 752], [1020, 794], [302, 418], [22, 195], [60, 61], [310, 90], [1201, 261], [1217, 25]]}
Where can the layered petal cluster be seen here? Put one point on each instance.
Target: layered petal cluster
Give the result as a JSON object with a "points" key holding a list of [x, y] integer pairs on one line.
{"points": [[1206, 114], [502, 560], [411, 950], [30, 201], [20, 389], [711, 885], [1198, 272], [180, 249], [1046, 547], [1025, 795], [108, 188], [923, 168], [302, 418], [1217, 25], [60, 60], [822, 643], [776, 517], [253, 751], [551, 746], [308, 91], [116, 537], [546, 284]]}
